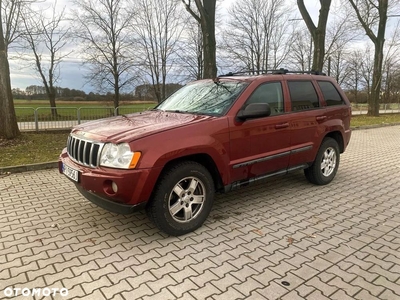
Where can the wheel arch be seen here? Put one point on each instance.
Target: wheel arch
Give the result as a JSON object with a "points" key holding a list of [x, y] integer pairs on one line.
{"points": [[201, 158], [338, 137]]}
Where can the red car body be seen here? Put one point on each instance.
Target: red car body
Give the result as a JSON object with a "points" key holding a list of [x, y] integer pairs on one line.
{"points": [[235, 151]]}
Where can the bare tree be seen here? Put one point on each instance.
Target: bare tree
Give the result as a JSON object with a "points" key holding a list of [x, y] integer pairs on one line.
{"points": [[317, 32], [8, 121], [103, 28], [367, 68], [340, 32], [46, 37], [205, 16], [10, 11], [256, 35], [300, 56], [391, 65], [191, 51], [353, 81], [158, 27], [372, 16]]}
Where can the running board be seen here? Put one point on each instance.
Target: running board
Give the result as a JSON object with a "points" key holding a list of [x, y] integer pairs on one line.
{"points": [[238, 184]]}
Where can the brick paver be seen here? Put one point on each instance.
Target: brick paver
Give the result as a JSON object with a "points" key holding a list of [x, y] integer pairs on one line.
{"points": [[282, 238]]}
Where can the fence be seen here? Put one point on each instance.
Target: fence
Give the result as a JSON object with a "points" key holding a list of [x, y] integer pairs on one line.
{"points": [[50, 118], [385, 108]]}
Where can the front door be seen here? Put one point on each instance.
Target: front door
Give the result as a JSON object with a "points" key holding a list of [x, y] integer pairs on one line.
{"points": [[262, 145]]}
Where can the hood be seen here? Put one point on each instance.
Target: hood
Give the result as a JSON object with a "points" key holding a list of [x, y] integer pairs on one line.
{"points": [[126, 128]]}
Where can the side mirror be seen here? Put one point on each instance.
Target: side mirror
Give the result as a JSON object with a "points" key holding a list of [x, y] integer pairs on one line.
{"points": [[254, 110]]}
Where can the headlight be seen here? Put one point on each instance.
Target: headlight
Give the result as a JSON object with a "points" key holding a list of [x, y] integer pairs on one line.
{"points": [[119, 156]]}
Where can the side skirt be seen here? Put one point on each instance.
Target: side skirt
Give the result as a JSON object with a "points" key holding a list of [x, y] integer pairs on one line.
{"points": [[238, 184]]}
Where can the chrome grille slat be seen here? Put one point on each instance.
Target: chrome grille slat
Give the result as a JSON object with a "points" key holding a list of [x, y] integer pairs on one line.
{"points": [[79, 151], [91, 155], [84, 151]]}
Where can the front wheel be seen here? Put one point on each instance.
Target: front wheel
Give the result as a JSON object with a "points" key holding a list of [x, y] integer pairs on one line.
{"points": [[326, 164], [182, 199]]}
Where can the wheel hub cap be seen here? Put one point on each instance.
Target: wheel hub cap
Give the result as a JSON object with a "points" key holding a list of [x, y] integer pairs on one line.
{"points": [[328, 163], [186, 199]]}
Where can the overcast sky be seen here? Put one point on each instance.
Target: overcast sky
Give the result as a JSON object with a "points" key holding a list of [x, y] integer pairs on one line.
{"points": [[72, 72]]}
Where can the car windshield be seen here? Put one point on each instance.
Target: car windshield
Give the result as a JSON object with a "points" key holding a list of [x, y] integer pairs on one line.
{"points": [[204, 97]]}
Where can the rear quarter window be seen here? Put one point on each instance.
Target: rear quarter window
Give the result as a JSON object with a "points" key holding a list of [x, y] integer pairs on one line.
{"points": [[331, 94], [303, 95]]}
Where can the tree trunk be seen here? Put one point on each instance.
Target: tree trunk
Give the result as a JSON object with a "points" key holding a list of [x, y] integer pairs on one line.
{"points": [[378, 40], [373, 101], [52, 98], [206, 19], [209, 44], [317, 32], [51, 94], [8, 120], [117, 95], [319, 51]]}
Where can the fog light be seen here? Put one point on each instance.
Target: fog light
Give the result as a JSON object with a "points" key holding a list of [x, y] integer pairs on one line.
{"points": [[114, 187]]}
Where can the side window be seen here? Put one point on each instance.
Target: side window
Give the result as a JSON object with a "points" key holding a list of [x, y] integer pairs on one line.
{"points": [[270, 93], [303, 95], [331, 95]]}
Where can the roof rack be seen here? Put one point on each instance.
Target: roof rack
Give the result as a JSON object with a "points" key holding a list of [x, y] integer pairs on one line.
{"points": [[277, 71]]}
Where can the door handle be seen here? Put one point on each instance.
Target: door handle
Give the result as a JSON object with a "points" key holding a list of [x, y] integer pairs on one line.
{"points": [[321, 118], [281, 126]]}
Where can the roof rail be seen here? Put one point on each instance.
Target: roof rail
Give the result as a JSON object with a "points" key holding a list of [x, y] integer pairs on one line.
{"points": [[255, 72], [312, 72], [277, 71]]}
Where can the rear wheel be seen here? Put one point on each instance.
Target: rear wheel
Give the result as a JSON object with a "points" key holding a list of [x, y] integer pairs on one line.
{"points": [[326, 163], [182, 199]]}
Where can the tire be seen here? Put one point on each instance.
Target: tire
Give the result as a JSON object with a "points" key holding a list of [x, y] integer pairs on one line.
{"points": [[326, 163], [182, 199]]}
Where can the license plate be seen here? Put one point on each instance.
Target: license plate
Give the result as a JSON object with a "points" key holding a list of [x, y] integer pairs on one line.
{"points": [[71, 173]]}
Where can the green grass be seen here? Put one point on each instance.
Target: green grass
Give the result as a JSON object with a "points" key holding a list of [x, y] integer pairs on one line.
{"points": [[39, 147], [32, 148], [364, 120]]}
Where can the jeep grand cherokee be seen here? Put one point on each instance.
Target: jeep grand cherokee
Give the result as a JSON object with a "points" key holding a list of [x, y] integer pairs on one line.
{"points": [[211, 135]]}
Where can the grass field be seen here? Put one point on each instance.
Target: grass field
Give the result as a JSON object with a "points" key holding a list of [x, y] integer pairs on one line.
{"points": [[364, 120], [69, 110], [30, 148]]}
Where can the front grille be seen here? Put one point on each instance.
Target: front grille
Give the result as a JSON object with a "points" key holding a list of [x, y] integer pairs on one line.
{"points": [[83, 151]]}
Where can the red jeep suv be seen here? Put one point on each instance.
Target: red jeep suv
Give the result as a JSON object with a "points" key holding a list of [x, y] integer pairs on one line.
{"points": [[211, 135]]}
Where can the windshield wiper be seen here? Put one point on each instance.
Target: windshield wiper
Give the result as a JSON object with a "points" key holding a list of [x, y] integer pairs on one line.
{"points": [[177, 111], [218, 83]]}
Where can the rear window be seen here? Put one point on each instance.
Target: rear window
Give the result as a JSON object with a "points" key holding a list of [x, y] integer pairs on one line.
{"points": [[303, 95], [331, 95]]}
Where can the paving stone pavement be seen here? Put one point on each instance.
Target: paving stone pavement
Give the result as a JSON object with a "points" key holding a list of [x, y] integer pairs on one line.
{"points": [[339, 241]]}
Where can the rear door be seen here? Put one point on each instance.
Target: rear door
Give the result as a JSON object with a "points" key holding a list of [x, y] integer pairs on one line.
{"points": [[306, 122], [336, 106]]}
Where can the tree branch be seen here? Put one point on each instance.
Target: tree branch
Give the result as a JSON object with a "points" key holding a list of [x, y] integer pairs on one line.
{"points": [[306, 17], [188, 8]]}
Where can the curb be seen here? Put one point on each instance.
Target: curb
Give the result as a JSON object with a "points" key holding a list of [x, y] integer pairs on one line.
{"points": [[30, 167], [374, 126]]}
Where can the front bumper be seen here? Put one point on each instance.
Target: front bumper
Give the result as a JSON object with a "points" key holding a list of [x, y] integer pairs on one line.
{"points": [[134, 187], [119, 208]]}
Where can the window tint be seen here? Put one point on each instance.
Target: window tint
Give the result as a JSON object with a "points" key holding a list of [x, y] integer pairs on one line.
{"points": [[303, 95], [270, 93], [331, 95]]}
